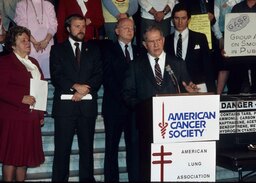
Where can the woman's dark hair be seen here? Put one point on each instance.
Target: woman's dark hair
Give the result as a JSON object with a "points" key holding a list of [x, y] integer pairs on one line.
{"points": [[12, 35]]}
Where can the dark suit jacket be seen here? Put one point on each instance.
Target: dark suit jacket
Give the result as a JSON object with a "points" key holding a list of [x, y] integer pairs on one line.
{"points": [[64, 74], [198, 61], [140, 83], [115, 66]]}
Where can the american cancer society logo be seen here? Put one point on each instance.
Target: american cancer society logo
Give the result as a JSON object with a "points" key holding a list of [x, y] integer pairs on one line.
{"points": [[184, 124]]}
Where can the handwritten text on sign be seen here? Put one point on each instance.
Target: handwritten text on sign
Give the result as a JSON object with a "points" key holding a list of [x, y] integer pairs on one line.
{"points": [[240, 34]]}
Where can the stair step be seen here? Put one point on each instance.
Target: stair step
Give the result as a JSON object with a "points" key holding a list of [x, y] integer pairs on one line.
{"points": [[51, 133], [49, 125], [95, 150], [73, 175]]}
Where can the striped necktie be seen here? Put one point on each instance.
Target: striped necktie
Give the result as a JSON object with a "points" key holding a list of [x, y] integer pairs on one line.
{"points": [[158, 74], [179, 47]]}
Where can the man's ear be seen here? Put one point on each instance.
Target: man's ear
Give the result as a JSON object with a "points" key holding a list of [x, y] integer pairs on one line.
{"points": [[144, 44], [68, 29], [189, 20], [117, 31], [173, 22]]}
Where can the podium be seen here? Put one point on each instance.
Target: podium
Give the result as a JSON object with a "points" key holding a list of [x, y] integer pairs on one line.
{"points": [[180, 134]]}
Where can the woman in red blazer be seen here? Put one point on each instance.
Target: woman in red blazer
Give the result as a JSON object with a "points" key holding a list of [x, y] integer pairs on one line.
{"points": [[20, 127]]}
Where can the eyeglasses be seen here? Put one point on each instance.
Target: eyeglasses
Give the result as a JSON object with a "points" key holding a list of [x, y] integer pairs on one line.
{"points": [[127, 28]]}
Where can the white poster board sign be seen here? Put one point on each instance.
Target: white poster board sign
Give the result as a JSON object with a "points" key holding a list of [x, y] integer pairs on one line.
{"points": [[238, 116], [184, 162], [240, 34], [185, 118]]}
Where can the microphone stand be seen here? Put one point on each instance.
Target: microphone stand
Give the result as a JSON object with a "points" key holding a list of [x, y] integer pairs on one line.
{"points": [[173, 78]]}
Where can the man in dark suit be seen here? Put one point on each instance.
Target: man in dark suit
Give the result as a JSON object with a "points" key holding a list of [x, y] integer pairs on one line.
{"points": [[149, 75], [118, 117], [76, 73], [195, 49]]}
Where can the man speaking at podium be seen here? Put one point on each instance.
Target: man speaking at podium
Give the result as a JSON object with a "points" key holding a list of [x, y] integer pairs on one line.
{"points": [[155, 72]]}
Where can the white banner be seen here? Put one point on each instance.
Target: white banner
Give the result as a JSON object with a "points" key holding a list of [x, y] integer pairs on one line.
{"points": [[238, 116], [185, 118], [240, 34], [184, 162]]}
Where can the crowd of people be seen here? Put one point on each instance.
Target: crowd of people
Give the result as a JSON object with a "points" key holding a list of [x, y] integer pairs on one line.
{"points": [[136, 49]]}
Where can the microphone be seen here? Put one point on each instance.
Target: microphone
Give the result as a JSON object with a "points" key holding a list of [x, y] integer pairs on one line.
{"points": [[173, 77]]}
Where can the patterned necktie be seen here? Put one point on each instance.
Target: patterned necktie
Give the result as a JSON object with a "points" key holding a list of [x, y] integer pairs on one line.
{"points": [[158, 74], [78, 53], [179, 47], [127, 54]]}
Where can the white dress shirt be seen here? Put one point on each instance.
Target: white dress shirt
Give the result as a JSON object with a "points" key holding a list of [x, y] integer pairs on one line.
{"points": [[129, 48]]}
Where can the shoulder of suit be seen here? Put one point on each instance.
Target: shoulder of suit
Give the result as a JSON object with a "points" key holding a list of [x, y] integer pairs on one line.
{"points": [[194, 33], [6, 59], [59, 46], [171, 58], [169, 36]]}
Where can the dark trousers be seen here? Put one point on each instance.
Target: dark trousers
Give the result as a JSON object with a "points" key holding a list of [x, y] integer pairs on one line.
{"points": [[65, 129], [114, 126]]}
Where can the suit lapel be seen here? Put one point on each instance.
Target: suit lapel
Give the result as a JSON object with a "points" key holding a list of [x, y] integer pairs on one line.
{"points": [[18, 63], [172, 46], [166, 78], [119, 64], [84, 55], [190, 45], [147, 70], [70, 56]]}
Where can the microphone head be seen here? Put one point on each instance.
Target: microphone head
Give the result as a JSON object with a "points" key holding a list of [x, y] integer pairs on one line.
{"points": [[168, 69]]}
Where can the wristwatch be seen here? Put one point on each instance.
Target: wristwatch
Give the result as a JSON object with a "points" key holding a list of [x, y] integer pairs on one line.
{"points": [[165, 12]]}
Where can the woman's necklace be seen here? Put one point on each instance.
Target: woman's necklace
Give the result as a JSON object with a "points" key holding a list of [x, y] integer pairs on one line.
{"points": [[42, 8]]}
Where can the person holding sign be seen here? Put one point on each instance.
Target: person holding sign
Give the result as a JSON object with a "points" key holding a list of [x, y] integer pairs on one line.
{"points": [[20, 126], [154, 72], [193, 49], [239, 72]]}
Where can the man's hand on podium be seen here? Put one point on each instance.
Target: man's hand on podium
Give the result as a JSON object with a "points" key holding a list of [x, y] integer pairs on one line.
{"points": [[191, 87]]}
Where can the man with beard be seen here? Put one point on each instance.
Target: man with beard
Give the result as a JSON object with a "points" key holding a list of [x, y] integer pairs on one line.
{"points": [[76, 74]]}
